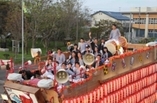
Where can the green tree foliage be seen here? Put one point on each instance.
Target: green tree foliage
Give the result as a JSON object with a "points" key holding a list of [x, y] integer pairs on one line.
{"points": [[104, 27], [48, 19], [4, 9]]}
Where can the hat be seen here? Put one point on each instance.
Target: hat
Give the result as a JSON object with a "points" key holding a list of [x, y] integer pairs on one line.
{"points": [[87, 46]]}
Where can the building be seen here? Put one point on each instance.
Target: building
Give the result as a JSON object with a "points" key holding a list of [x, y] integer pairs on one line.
{"points": [[107, 15], [144, 21]]}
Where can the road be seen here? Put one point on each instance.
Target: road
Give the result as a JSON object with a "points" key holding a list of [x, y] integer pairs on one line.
{"points": [[3, 78]]}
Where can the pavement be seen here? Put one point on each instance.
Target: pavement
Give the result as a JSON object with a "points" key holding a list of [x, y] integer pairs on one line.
{"points": [[2, 79]]}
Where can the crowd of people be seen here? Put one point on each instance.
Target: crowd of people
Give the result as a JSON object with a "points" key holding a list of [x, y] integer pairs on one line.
{"points": [[74, 65]]}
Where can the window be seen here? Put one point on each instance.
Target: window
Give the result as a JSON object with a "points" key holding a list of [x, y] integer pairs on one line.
{"points": [[152, 20], [100, 13], [150, 31], [143, 21], [155, 19], [96, 22], [139, 20]]}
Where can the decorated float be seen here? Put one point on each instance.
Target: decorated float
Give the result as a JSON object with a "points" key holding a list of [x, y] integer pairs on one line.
{"points": [[127, 78]]}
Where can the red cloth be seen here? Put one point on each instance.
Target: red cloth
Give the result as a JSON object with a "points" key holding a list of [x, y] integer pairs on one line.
{"points": [[32, 82], [25, 100]]}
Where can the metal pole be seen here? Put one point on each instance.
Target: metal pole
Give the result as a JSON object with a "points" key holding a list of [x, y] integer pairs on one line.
{"points": [[139, 21], [130, 28], [119, 9], [22, 35], [77, 29], [154, 28]]}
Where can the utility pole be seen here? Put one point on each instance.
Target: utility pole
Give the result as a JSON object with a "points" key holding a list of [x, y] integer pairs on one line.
{"points": [[130, 34], [77, 17], [139, 21], [153, 27], [22, 34]]}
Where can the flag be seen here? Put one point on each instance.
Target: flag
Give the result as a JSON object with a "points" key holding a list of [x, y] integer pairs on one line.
{"points": [[24, 7]]}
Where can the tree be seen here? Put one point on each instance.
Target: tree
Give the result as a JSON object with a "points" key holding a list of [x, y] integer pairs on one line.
{"points": [[48, 19], [73, 16], [103, 28], [4, 9]]}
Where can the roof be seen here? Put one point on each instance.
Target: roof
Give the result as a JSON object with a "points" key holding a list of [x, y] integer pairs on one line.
{"points": [[115, 15], [135, 12]]}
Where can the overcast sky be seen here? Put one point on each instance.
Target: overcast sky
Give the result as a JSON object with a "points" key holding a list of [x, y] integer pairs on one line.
{"points": [[118, 5]]}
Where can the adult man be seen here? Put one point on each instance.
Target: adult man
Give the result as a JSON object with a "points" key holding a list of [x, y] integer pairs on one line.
{"points": [[114, 35], [82, 45], [94, 42], [101, 46]]}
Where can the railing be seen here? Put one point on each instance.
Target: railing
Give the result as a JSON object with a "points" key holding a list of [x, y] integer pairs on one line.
{"points": [[118, 65], [142, 67]]}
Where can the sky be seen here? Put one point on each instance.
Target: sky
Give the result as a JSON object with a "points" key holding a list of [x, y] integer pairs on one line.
{"points": [[117, 5]]}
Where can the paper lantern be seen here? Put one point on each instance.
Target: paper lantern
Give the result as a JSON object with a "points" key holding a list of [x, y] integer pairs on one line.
{"points": [[122, 94], [108, 99], [74, 100], [116, 97], [133, 88], [133, 99], [108, 87], [105, 89], [130, 90], [101, 92], [138, 97], [105, 100], [126, 78], [111, 98], [90, 97], [94, 96], [66, 101], [98, 94], [114, 85], [78, 100], [111, 86], [85, 98], [117, 84]]}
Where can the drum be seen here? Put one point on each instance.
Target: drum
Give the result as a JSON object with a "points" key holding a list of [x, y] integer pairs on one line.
{"points": [[34, 52], [123, 42], [113, 47]]}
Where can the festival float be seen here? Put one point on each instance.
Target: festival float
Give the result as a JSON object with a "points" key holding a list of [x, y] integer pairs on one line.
{"points": [[127, 78]]}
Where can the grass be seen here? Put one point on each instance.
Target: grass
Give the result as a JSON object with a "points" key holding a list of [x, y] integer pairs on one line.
{"points": [[18, 57]]}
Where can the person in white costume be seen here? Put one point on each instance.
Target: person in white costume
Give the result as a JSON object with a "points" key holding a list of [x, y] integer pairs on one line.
{"points": [[114, 35]]}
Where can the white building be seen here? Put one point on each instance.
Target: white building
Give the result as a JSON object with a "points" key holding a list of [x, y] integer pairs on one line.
{"points": [[107, 15]]}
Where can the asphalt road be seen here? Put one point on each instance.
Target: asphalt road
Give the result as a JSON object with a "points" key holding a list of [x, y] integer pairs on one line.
{"points": [[3, 78]]}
